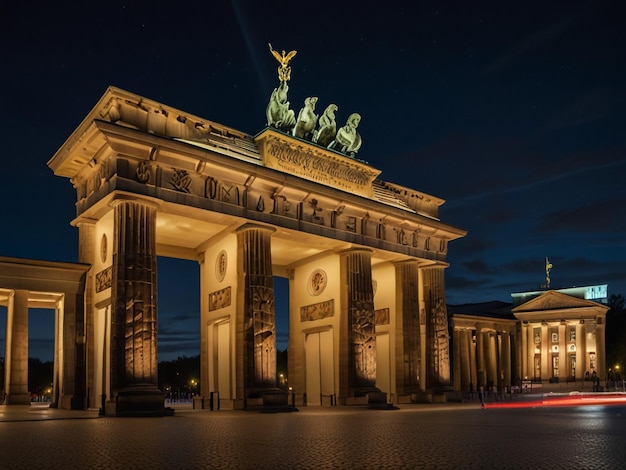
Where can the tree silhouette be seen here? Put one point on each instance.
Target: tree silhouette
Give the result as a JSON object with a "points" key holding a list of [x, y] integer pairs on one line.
{"points": [[616, 333]]}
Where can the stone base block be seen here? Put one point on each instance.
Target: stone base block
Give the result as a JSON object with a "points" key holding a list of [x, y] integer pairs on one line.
{"points": [[17, 399], [422, 397], [439, 398], [141, 401], [356, 401]]}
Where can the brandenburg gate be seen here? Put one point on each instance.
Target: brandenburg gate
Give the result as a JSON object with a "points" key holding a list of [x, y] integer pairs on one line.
{"points": [[365, 258]]}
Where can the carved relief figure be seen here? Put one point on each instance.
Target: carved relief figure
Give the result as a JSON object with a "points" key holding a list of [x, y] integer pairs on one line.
{"points": [[327, 129], [181, 180], [440, 342], [307, 119], [348, 140]]}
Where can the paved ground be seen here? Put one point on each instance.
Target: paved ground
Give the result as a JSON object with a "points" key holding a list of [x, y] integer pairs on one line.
{"points": [[414, 436]]}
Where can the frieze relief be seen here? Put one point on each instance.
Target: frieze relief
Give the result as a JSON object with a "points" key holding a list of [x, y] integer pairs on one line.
{"points": [[180, 180], [317, 311], [382, 316], [219, 299], [316, 165], [104, 279], [143, 172], [332, 215]]}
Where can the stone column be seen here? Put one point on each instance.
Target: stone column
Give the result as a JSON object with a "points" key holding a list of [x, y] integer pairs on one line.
{"points": [[581, 353], [473, 361], [465, 352], [361, 322], [600, 349], [506, 358], [408, 369], [493, 374], [86, 254], [256, 320], [530, 351], [72, 352], [134, 311], [524, 355], [457, 345], [16, 356], [482, 355], [546, 354], [438, 349]]}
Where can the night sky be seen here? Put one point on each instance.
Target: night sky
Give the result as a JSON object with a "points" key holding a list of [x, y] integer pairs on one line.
{"points": [[513, 112]]}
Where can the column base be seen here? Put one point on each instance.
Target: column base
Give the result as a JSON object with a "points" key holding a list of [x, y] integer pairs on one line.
{"points": [[139, 401], [17, 399]]}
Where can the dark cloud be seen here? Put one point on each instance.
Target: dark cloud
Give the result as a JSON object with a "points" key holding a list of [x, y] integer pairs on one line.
{"points": [[594, 105], [479, 267], [182, 317], [595, 217], [470, 245]]}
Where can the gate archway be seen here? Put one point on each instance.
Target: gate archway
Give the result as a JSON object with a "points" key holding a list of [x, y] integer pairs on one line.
{"points": [[363, 256]]}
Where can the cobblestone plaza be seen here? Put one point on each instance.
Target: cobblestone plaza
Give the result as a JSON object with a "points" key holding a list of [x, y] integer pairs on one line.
{"points": [[414, 436]]}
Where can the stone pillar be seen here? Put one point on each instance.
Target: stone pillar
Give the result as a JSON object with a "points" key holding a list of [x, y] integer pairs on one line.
{"points": [[361, 322], [600, 348], [505, 356], [438, 348], [473, 377], [256, 319], [86, 254], [493, 374], [457, 384], [546, 354], [134, 311], [16, 356], [581, 354], [463, 345], [530, 351], [72, 352], [524, 355], [482, 358], [407, 285]]}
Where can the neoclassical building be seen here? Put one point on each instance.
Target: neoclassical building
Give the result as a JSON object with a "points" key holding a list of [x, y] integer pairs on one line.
{"points": [[365, 258], [52, 285], [542, 337]]}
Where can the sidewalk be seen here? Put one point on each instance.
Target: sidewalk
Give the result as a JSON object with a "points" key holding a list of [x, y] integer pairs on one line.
{"points": [[41, 412]]}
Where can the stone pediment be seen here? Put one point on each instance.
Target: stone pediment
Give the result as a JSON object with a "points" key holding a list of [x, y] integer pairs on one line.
{"points": [[552, 300]]}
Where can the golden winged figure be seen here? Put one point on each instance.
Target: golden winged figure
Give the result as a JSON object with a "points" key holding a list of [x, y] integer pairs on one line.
{"points": [[284, 71]]}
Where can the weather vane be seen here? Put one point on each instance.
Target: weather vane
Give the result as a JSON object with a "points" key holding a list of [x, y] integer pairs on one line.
{"points": [[548, 268], [284, 71]]}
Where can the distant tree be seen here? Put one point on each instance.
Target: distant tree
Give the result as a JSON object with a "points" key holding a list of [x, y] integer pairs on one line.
{"points": [[281, 368], [181, 376], [616, 332], [40, 377]]}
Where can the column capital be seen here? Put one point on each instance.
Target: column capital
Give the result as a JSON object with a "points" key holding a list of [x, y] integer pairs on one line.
{"points": [[407, 262], [122, 196], [253, 226], [355, 249]]}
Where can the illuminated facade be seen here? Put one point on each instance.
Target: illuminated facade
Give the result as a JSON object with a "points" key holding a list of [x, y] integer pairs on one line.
{"points": [[59, 287], [544, 337], [562, 334], [364, 258]]}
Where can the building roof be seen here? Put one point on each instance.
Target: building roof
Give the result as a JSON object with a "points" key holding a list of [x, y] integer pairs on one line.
{"points": [[492, 309]]}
